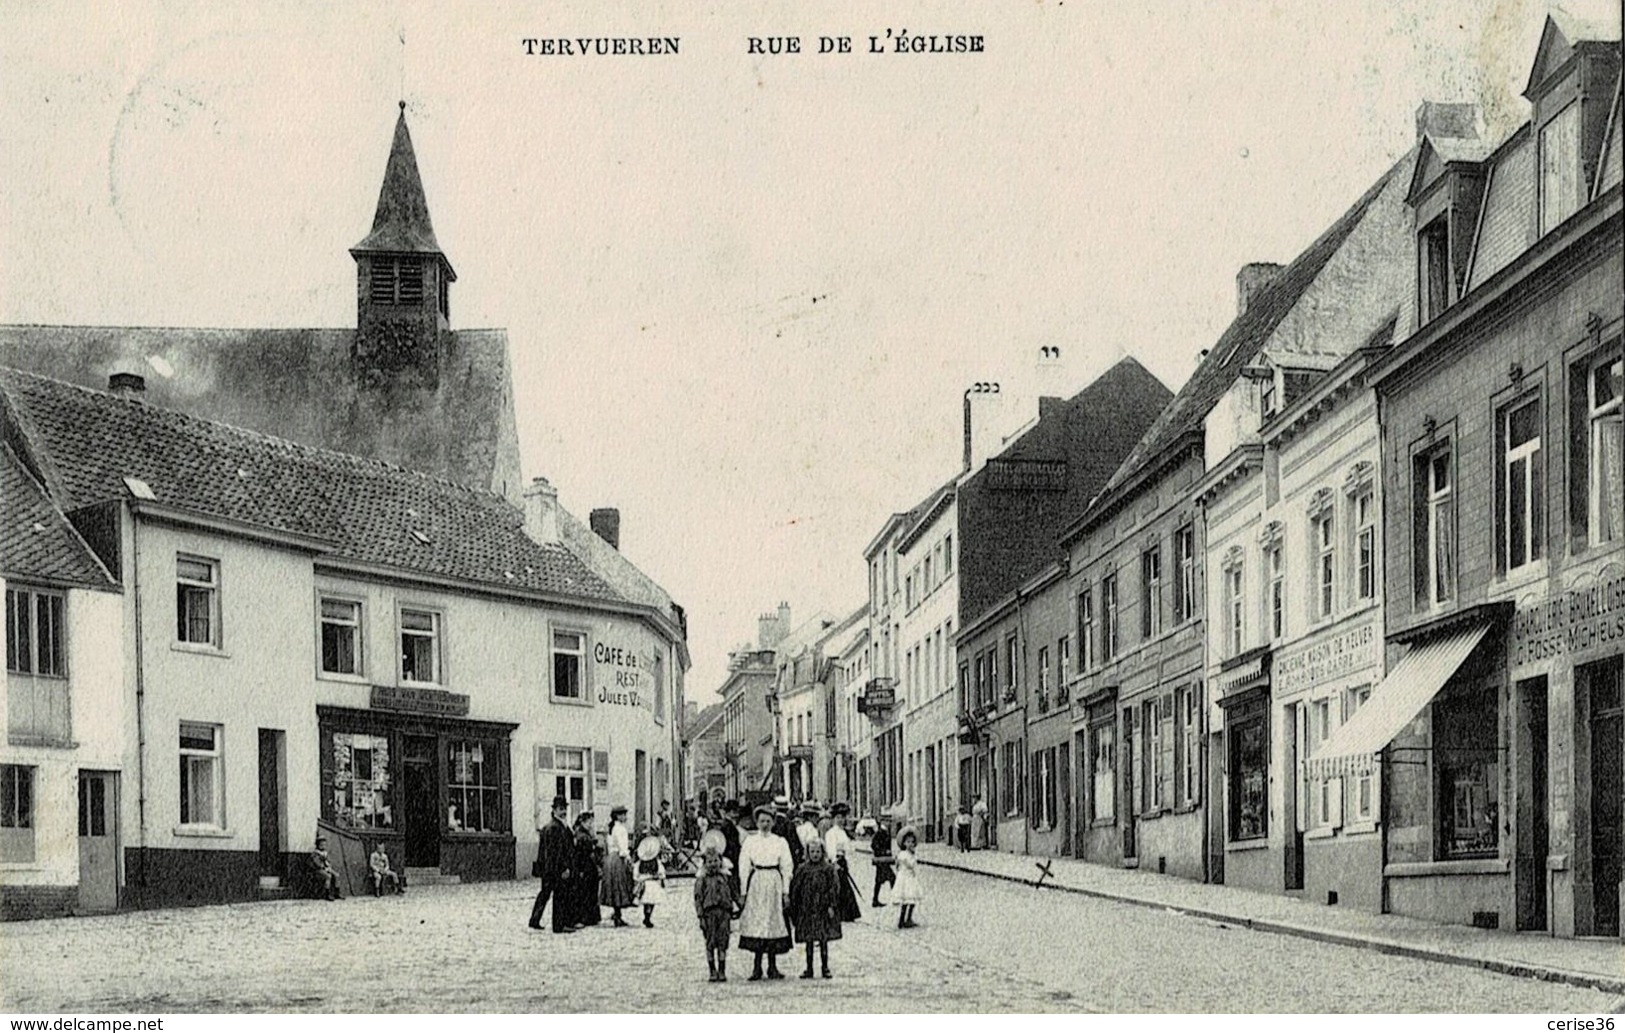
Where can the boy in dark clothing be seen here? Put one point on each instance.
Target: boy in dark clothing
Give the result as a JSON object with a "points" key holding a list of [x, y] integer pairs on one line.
{"points": [[715, 901], [885, 865]]}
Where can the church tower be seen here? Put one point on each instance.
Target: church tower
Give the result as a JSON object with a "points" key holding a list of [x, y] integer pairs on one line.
{"points": [[403, 281]]}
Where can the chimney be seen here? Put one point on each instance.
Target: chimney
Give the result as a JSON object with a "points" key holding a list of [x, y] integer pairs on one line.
{"points": [[606, 524], [1253, 278], [127, 383], [542, 512], [1456, 121], [784, 619]]}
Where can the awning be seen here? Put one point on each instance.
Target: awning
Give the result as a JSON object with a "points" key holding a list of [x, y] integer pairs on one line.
{"points": [[1409, 687]]}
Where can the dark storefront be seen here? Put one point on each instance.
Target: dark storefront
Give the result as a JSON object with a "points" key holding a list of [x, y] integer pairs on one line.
{"points": [[435, 789]]}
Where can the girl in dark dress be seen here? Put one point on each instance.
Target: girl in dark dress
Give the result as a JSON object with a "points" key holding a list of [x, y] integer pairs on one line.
{"points": [[585, 870], [814, 906]]}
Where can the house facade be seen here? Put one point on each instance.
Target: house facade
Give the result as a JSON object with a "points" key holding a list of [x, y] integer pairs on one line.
{"points": [[1505, 577], [62, 761]]}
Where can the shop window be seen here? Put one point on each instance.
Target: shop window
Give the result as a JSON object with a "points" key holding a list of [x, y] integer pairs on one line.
{"points": [[474, 786], [420, 647], [16, 814], [1597, 455], [341, 636], [34, 632], [197, 601], [1108, 607], [1365, 547], [1562, 185], [1523, 500], [202, 777], [1468, 773], [569, 665], [1435, 531], [361, 785], [1103, 770], [1247, 732], [1151, 593], [1185, 575]]}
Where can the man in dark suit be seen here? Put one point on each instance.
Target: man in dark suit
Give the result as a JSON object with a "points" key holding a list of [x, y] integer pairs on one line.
{"points": [[730, 837], [785, 829], [553, 865]]}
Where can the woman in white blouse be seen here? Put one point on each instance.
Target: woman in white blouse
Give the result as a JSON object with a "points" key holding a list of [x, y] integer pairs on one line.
{"points": [[765, 865], [617, 885]]}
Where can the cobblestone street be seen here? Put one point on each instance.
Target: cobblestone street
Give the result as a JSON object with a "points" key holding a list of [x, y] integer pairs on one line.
{"points": [[982, 946]]}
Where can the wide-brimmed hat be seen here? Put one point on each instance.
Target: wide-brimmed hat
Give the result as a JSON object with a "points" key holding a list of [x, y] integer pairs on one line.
{"points": [[811, 808], [904, 833], [648, 848], [781, 801], [840, 809], [713, 842], [619, 808], [763, 808]]}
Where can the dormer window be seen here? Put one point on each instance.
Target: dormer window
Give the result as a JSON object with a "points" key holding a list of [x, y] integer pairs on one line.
{"points": [[1268, 404], [1562, 187], [1433, 269]]}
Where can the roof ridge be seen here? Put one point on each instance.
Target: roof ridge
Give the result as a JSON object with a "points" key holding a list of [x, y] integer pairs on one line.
{"points": [[358, 461]]}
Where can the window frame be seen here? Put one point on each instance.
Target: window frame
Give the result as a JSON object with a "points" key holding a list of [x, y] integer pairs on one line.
{"points": [[215, 757], [1103, 770], [1086, 629], [50, 600], [1457, 704], [437, 642], [1532, 482], [19, 814], [492, 761], [1235, 585], [1151, 592], [1275, 566], [1109, 617], [1239, 720], [1597, 418], [358, 629], [1323, 540], [1185, 576], [1439, 516], [212, 588], [583, 695], [1364, 520]]}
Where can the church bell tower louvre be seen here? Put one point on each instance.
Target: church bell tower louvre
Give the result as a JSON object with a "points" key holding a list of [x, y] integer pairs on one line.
{"points": [[403, 281]]}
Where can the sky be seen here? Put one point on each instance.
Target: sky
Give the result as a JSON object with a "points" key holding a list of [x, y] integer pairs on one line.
{"points": [[744, 294]]}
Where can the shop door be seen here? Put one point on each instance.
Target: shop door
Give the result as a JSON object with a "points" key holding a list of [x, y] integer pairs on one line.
{"points": [[1530, 872], [420, 790], [272, 801], [1606, 732], [1126, 761], [1295, 736], [98, 842]]}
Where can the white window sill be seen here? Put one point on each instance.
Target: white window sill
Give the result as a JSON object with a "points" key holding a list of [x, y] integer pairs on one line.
{"points": [[347, 679], [1477, 866], [1532, 571], [199, 649], [570, 701], [404, 683], [1367, 827], [1322, 832], [22, 866], [203, 832], [1234, 846]]}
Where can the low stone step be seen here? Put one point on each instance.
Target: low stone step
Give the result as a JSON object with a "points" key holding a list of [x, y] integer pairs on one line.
{"points": [[430, 877]]}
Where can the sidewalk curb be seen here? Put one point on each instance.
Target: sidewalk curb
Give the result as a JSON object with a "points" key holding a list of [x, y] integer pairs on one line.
{"points": [[1527, 970]]}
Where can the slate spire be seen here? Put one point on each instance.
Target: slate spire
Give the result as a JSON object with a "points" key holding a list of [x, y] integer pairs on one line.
{"points": [[401, 223]]}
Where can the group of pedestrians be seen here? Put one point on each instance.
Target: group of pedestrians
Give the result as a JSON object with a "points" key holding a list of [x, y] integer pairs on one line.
{"points": [[581, 877]]}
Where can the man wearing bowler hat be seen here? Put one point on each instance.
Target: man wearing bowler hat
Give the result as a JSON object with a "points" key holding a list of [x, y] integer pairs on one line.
{"points": [[553, 866]]}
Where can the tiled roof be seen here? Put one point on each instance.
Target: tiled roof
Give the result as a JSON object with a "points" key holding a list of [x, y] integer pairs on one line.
{"points": [[299, 383], [36, 540], [362, 510], [1239, 344], [401, 222], [916, 520]]}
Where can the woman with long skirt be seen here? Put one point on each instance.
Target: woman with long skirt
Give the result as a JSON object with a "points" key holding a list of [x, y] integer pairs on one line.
{"points": [[586, 868], [766, 868], [837, 845], [616, 891]]}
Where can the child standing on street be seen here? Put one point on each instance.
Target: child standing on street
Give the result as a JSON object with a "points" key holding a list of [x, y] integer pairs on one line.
{"points": [[908, 892], [815, 906], [715, 902], [650, 875]]}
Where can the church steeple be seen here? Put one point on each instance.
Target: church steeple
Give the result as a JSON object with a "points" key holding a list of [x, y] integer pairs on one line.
{"points": [[403, 279]]}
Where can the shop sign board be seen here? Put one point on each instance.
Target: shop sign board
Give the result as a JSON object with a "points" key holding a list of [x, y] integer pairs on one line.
{"points": [[1322, 660], [1588, 615], [419, 701]]}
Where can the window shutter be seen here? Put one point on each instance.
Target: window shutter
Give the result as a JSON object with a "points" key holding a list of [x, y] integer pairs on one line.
{"points": [[324, 743], [1334, 801], [1034, 802], [503, 759], [1166, 713], [544, 758], [1579, 457], [600, 768]]}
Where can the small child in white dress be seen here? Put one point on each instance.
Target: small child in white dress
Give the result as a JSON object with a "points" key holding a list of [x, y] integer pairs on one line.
{"points": [[650, 875], [908, 892]]}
